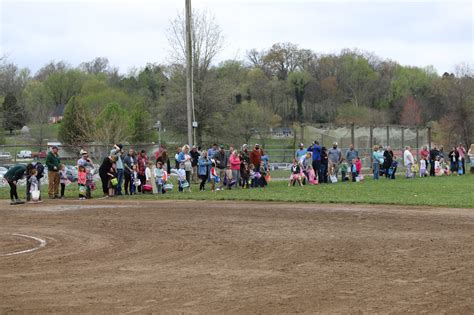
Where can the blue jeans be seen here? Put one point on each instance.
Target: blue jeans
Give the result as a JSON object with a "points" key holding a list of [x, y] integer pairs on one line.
{"points": [[376, 170], [118, 189]]}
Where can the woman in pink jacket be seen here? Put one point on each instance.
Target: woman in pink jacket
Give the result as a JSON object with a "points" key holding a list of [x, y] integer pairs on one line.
{"points": [[235, 166]]}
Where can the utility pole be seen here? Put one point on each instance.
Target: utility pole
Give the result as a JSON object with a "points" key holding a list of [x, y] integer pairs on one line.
{"points": [[189, 73]]}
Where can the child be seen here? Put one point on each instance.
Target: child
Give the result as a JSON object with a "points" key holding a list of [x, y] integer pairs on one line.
{"points": [[415, 168], [245, 175], [214, 178], [263, 173], [393, 169], [332, 174], [252, 176], [182, 182], [358, 164], [228, 179], [160, 177], [344, 168], [34, 184], [112, 173], [62, 179], [312, 180], [354, 170], [81, 181], [295, 174], [437, 166], [423, 168], [134, 180]]}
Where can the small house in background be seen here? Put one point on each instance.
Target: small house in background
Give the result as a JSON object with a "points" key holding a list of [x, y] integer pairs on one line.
{"points": [[281, 132], [57, 114]]}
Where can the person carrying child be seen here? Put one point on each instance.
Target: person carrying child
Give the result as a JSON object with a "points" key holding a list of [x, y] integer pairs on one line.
{"points": [[82, 181]]}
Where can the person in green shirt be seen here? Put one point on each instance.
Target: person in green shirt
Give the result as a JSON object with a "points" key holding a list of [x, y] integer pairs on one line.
{"points": [[13, 175], [52, 162]]}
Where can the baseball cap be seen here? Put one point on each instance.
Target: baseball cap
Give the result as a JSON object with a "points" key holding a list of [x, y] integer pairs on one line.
{"points": [[83, 152]]}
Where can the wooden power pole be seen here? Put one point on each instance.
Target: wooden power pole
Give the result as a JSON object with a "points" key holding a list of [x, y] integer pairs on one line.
{"points": [[189, 73]]}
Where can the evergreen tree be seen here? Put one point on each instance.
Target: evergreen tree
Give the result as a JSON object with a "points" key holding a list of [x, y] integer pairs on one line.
{"points": [[76, 126], [13, 114]]}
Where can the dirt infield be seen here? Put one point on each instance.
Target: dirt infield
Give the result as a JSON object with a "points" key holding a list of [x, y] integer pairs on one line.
{"points": [[235, 257]]}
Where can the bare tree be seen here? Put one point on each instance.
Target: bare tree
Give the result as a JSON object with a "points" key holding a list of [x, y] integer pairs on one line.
{"points": [[207, 40]]}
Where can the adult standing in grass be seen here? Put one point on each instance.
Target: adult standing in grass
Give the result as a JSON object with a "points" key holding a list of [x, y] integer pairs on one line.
{"points": [[86, 162], [351, 155], [128, 162], [315, 150], [256, 157], [454, 160], [164, 159], [221, 159], [377, 160], [387, 160], [117, 152], [434, 153], [52, 162], [104, 171], [300, 152], [408, 161], [142, 162], [462, 157], [184, 158], [470, 153], [324, 167], [204, 169], [12, 176], [335, 157], [234, 161], [194, 161]]}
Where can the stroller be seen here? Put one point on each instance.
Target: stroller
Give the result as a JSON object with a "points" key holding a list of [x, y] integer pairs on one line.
{"points": [[392, 170]]}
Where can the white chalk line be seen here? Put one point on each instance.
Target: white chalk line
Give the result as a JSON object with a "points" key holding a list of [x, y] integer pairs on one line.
{"points": [[42, 243]]}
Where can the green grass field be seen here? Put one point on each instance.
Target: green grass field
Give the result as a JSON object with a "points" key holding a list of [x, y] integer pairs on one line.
{"points": [[454, 191]]}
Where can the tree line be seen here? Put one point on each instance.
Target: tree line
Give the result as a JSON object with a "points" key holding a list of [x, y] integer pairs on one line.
{"points": [[284, 85]]}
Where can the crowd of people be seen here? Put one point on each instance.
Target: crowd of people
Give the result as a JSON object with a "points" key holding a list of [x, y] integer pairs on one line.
{"points": [[133, 172], [316, 164]]}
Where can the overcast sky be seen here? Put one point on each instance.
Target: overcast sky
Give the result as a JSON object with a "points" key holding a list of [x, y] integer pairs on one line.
{"points": [[132, 33]]}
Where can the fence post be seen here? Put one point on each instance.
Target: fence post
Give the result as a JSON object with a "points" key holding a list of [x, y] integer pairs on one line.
{"points": [[388, 135], [403, 138], [352, 134], [417, 145], [429, 137]]}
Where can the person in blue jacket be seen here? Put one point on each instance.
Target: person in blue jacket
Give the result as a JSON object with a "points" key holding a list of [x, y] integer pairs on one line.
{"points": [[204, 169], [315, 150]]}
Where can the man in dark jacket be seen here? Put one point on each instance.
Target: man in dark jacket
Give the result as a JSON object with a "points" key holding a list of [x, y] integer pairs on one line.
{"points": [[315, 150], [128, 163], [194, 162], [433, 154], [221, 159], [52, 162], [13, 175]]}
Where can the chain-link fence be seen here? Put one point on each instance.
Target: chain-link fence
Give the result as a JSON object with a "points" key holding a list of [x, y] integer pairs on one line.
{"points": [[280, 146]]}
